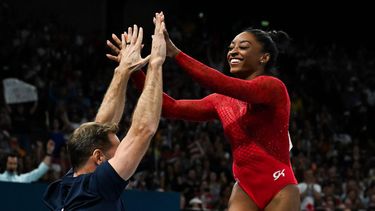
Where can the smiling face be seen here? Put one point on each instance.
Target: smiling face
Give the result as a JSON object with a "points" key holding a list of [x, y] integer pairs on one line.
{"points": [[245, 55]]}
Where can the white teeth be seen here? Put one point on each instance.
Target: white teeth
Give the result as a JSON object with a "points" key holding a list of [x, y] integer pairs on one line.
{"points": [[234, 61]]}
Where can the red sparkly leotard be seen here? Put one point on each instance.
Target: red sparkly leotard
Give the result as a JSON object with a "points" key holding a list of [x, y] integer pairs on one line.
{"points": [[255, 118]]}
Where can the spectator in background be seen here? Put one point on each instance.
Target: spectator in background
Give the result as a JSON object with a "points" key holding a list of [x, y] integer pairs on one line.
{"points": [[330, 200], [195, 204], [310, 191], [10, 174], [371, 204], [22, 115], [352, 195], [57, 135]]}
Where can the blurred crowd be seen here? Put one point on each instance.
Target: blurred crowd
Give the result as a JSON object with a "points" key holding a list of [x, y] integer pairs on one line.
{"points": [[331, 86]]}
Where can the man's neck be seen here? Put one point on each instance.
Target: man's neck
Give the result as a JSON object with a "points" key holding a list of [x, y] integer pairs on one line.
{"points": [[84, 170]]}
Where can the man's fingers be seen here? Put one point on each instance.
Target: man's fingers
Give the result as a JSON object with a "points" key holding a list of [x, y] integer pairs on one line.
{"points": [[135, 34], [113, 47], [111, 57], [116, 39], [162, 28], [130, 34], [140, 37], [158, 22], [161, 16], [123, 41]]}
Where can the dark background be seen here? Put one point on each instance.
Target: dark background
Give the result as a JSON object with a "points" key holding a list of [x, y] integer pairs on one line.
{"points": [[345, 23]]}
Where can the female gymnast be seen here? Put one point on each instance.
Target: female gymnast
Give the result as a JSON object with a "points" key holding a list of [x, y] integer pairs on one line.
{"points": [[254, 109]]}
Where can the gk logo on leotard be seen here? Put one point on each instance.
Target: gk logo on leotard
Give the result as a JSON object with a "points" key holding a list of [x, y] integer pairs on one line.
{"points": [[278, 173]]}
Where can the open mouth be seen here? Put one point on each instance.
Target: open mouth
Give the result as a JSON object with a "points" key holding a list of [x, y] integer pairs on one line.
{"points": [[235, 61]]}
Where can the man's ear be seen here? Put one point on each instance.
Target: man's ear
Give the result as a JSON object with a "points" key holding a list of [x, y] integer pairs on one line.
{"points": [[98, 156]]}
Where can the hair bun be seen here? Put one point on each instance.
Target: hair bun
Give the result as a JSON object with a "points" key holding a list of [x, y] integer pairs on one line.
{"points": [[280, 38]]}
